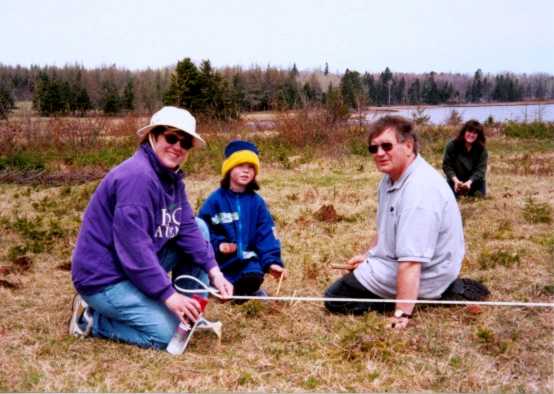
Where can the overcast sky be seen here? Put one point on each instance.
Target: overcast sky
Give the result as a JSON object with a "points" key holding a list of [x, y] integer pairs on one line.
{"points": [[407, 36]]}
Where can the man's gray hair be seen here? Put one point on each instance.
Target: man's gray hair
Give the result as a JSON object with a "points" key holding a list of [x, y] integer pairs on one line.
{"points": [[403, 128]]}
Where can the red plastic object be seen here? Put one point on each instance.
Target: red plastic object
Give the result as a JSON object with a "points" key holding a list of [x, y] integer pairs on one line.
{"points": [[201, 300]]}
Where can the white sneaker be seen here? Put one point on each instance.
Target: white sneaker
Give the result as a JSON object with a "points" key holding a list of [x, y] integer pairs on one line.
{"points": [[80, 323], [215, 326]]}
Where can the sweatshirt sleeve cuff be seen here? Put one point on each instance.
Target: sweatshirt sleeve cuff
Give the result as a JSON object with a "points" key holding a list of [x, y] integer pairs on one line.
{"points": [[210, 264], [167, 293]]}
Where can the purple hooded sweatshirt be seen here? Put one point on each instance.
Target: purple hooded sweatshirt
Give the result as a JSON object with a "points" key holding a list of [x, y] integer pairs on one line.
{"points": [[137, 208]]}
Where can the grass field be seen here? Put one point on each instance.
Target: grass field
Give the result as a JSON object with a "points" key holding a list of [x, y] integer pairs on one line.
{"points": [[299, 347]]}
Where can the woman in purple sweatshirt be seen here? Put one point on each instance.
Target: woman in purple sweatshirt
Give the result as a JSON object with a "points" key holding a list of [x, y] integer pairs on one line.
{"points": [[137, 227]]}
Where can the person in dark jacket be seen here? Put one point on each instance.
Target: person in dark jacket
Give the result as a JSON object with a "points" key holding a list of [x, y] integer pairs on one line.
{"points": [[465, 161], [137, 227], [241, 228]]}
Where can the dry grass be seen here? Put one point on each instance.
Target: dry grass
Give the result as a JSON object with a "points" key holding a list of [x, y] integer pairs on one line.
{"points": [[296, 347]]}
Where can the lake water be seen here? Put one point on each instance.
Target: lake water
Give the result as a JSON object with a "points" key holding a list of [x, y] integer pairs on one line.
{"points": [[500, 113]]}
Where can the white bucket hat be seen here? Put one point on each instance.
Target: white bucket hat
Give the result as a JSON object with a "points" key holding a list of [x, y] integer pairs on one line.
{"points": [[173, 117]]}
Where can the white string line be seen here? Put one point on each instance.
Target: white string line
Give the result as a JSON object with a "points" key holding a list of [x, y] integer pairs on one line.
{"points": [[215, 293]]}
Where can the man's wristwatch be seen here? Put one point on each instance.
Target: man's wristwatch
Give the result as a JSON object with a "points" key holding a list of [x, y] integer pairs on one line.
{"points": [[399, 313]]}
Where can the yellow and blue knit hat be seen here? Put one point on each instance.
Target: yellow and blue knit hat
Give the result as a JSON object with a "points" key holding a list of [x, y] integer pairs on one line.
{"points": [[240, 152]]}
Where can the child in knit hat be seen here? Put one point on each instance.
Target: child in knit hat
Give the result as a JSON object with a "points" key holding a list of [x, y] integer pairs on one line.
{"points": [[241, 228]]}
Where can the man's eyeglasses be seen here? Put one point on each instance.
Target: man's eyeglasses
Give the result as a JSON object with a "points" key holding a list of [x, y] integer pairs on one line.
{"points": [[386, 146], [185, 142]]}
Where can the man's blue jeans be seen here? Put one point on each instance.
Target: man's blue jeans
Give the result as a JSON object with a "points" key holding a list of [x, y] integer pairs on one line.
{"points": [[123, 313]]}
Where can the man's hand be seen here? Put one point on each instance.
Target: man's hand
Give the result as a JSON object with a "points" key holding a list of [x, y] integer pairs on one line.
{"points": [[227, 247], [185, 308], [220, 283], [351, 264], [355, 261], [277, 271], [407, 288], [398, 323]]}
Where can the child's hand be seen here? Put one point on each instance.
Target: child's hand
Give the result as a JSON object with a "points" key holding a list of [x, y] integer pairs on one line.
{"points": [[277, 271], [227, 247]]}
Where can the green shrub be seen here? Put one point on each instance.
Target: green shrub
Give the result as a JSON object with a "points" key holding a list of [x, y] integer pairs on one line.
{"points": [[433, 139], [22, 160], [106, 157], [17, 251], [488, 259], [533, 130], [534, 212], [548, 243]]}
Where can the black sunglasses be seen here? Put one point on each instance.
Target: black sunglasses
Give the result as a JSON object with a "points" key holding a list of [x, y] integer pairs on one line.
{"points": [[185, 142], [386, 146]]}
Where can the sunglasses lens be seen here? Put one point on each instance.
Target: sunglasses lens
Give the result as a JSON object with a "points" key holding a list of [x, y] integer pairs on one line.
{"points": [[186, 142], [387, 146], [373, 149], [171, 139]]}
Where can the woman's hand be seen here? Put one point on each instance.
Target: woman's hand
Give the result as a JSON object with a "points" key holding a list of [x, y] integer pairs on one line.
{"points": [[185, 308], [220, 283], [277, 271], [227, 247], [467, 185], [458, 185]]}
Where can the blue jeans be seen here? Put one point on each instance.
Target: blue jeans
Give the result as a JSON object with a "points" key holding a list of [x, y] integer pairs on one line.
{"points": [[123, 313]]}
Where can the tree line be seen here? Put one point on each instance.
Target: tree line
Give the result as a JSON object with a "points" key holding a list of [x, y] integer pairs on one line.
{"points": [[226, 92]]}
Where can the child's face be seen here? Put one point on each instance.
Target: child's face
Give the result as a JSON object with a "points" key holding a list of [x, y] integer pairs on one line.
{"points": [[242, 175]]}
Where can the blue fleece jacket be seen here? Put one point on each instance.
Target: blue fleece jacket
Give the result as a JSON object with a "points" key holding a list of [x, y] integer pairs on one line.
{"points": [[137, 208], [241, 218]]}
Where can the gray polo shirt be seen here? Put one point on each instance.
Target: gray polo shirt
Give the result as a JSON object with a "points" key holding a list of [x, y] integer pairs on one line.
{"points": [[418, 219]]}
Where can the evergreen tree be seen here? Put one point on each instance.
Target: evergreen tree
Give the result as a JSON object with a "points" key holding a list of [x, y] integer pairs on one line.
{"points": [[110, 101], [184, 88], [238, 88], [216, 98], [82, 101], [398, 90], [384, 86], [475, 91], [79, 101], [414, 92], [371, 91], [6, 102], [128, 98], [351, 88], [289, 94], [294, 71], [540, 90], [506, 88], [335, 107], [47, 98], [208, 82], [311, 91], [202, 91], [446, 92], [430, 92], [326, 71]]}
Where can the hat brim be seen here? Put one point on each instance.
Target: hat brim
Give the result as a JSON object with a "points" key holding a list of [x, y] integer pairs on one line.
{"points": [[146, 129]]}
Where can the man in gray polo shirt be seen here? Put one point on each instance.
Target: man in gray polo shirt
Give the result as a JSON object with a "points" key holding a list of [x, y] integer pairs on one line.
{"points": [[419, 246]]}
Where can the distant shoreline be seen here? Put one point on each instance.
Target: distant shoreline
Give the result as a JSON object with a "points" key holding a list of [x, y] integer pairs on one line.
{"points": [[394, 108]]}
